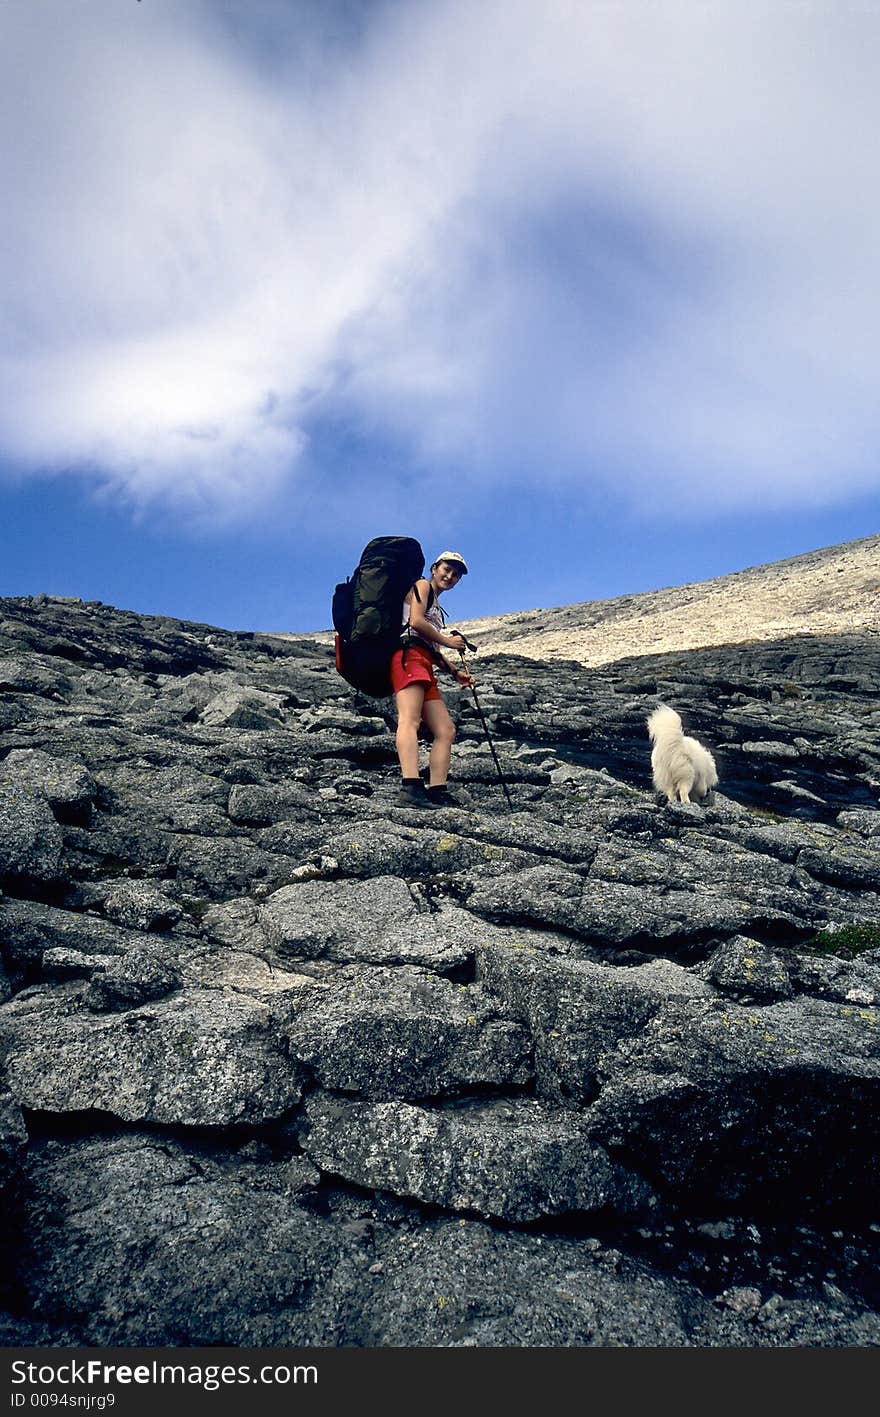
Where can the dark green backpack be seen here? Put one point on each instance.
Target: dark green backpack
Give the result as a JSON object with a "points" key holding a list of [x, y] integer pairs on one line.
{"points": [[368, 611]]}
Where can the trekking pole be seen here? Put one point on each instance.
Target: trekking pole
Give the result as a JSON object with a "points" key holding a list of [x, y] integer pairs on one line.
{"points": [[484, 723]]}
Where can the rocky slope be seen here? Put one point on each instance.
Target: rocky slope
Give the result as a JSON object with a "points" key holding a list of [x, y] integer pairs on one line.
{"points": [[835, 590], [285, 1064]]}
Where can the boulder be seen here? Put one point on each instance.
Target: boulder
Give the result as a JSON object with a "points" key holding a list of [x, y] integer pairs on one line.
{"points": [[30, 839], [513, 1159], [141, 1240], [403, 1032], [68, 787], [199, 1059], [376, 921], [242, 708]]}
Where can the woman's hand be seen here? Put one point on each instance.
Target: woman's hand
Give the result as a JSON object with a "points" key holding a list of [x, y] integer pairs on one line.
{"points": [[464, 678]]}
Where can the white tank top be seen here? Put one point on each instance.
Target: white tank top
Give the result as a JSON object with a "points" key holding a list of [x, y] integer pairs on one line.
{"points": [[433, 615]]}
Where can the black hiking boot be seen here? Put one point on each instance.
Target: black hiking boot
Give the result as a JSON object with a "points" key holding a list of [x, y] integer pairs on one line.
{"points": [[440, 796], [412, 794]]}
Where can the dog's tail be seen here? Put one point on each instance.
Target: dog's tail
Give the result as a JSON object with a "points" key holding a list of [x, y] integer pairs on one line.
{"points": [[663, 720]]}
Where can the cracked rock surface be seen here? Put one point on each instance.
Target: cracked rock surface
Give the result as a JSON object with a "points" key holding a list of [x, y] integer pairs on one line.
{"points": [[282, 1062]]}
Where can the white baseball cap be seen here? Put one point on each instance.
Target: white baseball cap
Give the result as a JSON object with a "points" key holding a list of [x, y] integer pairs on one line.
{"points": [[455, 557]]}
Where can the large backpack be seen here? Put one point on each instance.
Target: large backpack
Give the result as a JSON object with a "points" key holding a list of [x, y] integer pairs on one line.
{"points": [[368, 611]]}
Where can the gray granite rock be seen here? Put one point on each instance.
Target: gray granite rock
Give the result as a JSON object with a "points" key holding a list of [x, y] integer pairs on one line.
{"points": [[403, 1032], [28, 929], [13, 1138], [513, 1159], [862, 820], [621, 911], [30, 838], [748, 969], [855, 981], [68, 787], [376, 921], [219, 867], [306, 918], [138, 976], [466, 1285], [578, 1012], [716, 1104], [843, 865], [198, 1060], [262, 806], [219, 926], [141, 1240], [133, 904], [380, 849], [32, 675], [242, 708]]}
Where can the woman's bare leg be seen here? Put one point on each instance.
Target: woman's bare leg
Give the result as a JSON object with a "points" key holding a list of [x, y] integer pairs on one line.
{"points": [[440, 725], [410, 702]]}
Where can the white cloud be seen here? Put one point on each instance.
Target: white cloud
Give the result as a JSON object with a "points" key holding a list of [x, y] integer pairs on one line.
{"points": [[631, 241]]}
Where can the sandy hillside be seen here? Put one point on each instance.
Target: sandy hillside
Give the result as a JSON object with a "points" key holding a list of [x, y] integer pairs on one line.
{"points": [[832, 590]]}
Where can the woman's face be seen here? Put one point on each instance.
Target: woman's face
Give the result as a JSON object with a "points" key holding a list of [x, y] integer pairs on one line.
{"points": [[445, 575]]}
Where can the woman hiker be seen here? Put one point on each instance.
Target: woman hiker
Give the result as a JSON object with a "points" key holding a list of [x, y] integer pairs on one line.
{"points": [[415, 686]]}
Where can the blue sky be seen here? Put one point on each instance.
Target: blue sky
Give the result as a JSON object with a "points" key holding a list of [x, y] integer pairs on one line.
{"points": [[586, 291]]}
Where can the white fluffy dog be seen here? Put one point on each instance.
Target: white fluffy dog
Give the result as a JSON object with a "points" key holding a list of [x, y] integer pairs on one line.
{"points": [[681, 766]]}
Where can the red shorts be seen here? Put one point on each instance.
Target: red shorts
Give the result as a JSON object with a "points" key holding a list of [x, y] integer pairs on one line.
{"points": [[414, 665]]}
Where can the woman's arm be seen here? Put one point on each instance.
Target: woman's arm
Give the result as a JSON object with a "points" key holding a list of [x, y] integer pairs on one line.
{"points": [[423, 627], [427, 631]]}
